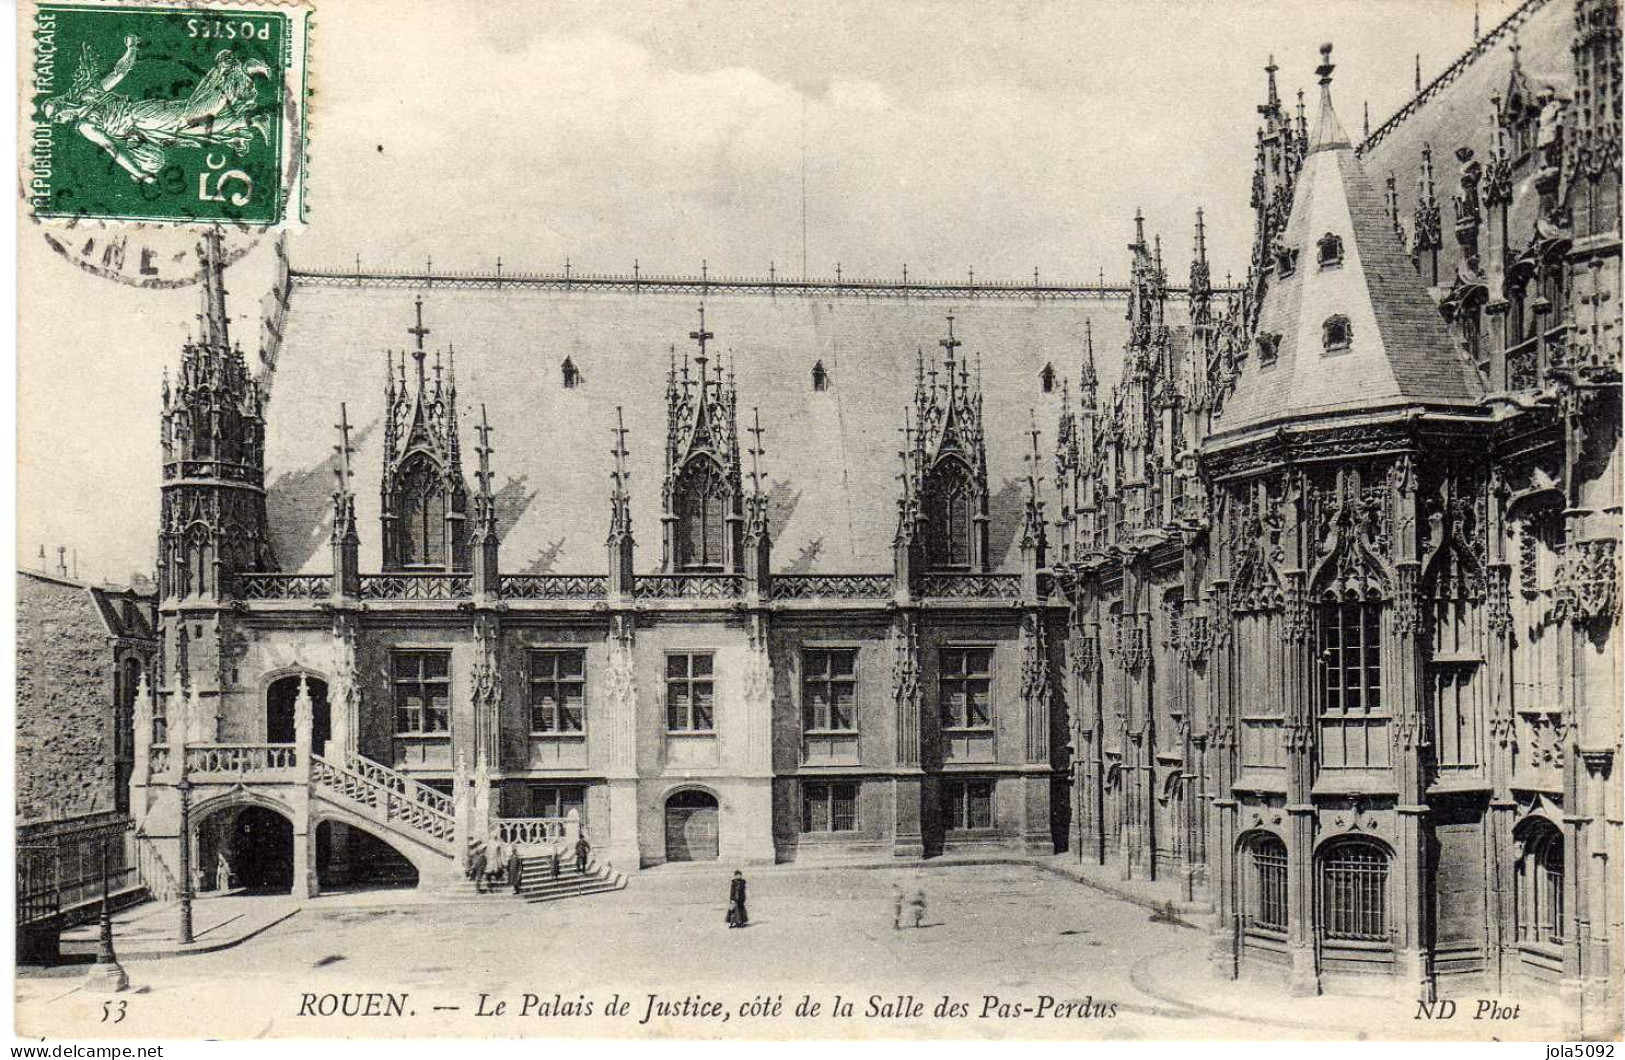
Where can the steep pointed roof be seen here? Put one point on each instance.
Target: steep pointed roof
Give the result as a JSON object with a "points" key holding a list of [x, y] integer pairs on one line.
{"points": [[1350, 329]]}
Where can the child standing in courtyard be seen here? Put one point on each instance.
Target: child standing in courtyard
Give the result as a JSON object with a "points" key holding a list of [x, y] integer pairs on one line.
{"points": [[917, 904]]}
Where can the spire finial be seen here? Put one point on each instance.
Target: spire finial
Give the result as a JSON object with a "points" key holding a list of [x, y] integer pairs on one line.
{"points": [[756, 451], [343, 449], [702, 337], [1324, 70], [418, 332], [1419, 73], [482, 447]]}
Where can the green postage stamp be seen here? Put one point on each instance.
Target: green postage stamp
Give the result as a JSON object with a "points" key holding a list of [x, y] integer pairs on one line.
{"points": [[172, 113]]}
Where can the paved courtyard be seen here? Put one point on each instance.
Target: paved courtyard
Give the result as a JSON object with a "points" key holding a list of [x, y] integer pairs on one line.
{"points": [[1024, 952]]}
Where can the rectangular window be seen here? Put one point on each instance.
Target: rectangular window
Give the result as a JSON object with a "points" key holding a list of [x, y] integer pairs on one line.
{"points": [[829, 807], [1351, 658], [558, 690], [557, 800], [690, 692], [968, 804], [422, 692], [829, 689], [965, 688]]}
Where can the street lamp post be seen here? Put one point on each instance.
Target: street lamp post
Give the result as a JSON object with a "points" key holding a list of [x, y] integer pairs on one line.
{"points": [[185, 790], [107, 974]]}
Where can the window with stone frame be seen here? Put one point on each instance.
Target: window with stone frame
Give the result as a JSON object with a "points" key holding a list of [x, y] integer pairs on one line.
{"points": [[1267, 905], [126, 685], [1354, 891], [701, 506], [950, 511], [690, 692], [556, 800], [967, 805], [422, 691], [1538, 881], [965, 688], [1353, 714], [829, 806], [558, 691], [829, 690], [423, 507]]}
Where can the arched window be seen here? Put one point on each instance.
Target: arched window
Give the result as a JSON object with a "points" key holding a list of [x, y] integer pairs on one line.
{"points": [[1046, 378], [1335, 333], [1266, 884], [702, 512], [1539, 882], [422, 514], [1354, 891], [820, 378], [199, 561], [950, 508]]}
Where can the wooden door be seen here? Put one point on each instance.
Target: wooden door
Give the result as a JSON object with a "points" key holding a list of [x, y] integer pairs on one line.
{"points": [[691, 827]]}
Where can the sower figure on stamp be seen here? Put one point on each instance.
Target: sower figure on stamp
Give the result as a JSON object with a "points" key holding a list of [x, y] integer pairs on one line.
{"points": [[583, 848], [736, 901], [223, 111]]}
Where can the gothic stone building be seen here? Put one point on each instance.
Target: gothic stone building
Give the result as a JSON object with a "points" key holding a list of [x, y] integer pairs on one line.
{"points": [[757, 581], [1343, 646], [1308, 599]]}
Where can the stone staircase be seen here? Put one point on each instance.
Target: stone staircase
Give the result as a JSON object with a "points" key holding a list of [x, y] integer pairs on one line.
{"points": [[537, 883]]}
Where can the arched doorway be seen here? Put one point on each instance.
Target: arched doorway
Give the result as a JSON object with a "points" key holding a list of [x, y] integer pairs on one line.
{"points": [[279, 712], [256, 845], [691, 826]]}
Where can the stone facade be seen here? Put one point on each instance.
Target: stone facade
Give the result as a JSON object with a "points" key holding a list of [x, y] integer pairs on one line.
{"points": [[1345, 638]]}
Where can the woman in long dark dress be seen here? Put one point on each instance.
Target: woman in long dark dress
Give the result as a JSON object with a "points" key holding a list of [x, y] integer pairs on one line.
{"points": [[736, 901]]}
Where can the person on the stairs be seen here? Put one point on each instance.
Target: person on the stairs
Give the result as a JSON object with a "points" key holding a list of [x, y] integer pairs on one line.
{"points": [[555, 859], [582, 849], [736, 901], [476, 870], [516, 866]]}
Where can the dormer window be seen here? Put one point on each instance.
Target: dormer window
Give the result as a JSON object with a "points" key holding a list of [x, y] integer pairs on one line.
{"points": [[1329, 251], [1335, 334], [572, 376], [1286, 260], [950, 510], [1269, 346], [820, 377], [1046, 379], [702, 516]]}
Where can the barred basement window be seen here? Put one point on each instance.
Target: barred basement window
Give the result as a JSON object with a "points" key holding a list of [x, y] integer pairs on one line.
{"points": [[967, 805], [690, 692], [1336, 334], [1268, 906], [965, 688], [829, 690], [1354, 892], [1351, 658], [557, 690], [422, 688], [829, 807]]}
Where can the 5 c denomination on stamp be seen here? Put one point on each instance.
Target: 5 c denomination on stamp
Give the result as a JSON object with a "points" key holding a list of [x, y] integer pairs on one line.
{"points": [[167, 113]]}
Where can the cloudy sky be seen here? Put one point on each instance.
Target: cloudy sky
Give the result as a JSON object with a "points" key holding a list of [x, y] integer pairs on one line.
{"points": [[999, 136]]}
